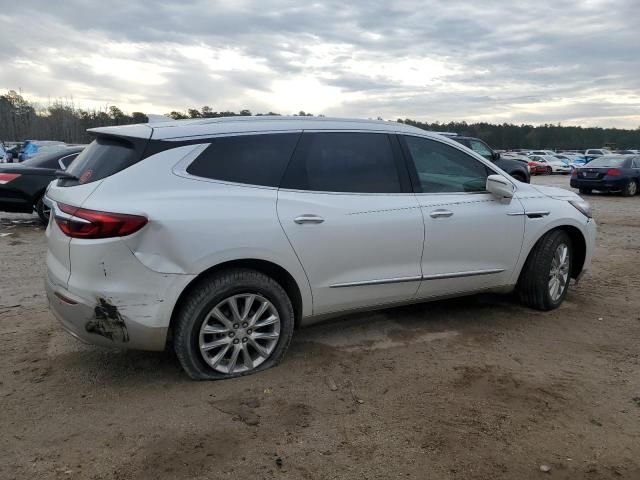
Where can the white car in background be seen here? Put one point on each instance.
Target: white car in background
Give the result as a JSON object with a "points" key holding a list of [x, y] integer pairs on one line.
{"points": [[541, 152], [224, 235], [595, 153], [554, 164]]}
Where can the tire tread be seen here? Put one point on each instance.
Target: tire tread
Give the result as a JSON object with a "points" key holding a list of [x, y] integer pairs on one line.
{"points": [[199, 296]]}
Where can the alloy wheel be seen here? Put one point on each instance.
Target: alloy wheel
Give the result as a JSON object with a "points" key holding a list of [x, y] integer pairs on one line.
{"points": [[559, 273], [239, 333]]}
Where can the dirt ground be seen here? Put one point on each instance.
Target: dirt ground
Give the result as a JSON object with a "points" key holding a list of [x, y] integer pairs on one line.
{"points": [[472, 388]]}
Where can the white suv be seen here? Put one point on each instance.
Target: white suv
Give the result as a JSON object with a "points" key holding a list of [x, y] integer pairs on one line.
{"points": [[224, 235]]}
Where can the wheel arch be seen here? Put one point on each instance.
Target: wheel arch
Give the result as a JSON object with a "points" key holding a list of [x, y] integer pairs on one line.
{"points": [[271, 269], [578, 242]]}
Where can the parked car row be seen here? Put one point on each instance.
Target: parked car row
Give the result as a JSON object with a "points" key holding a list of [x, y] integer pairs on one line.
{"points": [[19, 152], [22, 185]]}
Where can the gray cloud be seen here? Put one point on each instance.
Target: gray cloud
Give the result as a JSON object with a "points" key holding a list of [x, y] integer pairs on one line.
{"points": [[533, 61]]}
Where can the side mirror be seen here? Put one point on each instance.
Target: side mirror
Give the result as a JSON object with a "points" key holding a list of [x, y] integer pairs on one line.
{"points": [[500, 186], [495, 156]]}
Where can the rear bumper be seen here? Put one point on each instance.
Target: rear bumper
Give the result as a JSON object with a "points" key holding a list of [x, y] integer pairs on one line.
{"points": [[603, 185], [101, 323], [111, 299]]}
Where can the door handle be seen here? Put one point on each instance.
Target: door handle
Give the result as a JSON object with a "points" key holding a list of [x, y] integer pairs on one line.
{"points": [[308, 219], [440, 214]]}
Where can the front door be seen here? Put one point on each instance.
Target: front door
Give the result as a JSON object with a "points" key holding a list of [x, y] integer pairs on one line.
{"points": [[349, 215], [472, 239]]}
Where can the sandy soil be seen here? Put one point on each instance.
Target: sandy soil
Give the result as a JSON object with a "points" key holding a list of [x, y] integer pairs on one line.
{"points": [[472, 388]]}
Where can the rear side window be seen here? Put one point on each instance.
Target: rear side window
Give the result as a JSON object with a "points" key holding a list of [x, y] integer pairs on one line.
{"points": [[344, 162], [102, 158], [250, 159]]}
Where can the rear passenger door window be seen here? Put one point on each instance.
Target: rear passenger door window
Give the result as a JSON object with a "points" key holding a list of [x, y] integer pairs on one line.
{"points": [[250, 159], [441, 168], [345, 162]]}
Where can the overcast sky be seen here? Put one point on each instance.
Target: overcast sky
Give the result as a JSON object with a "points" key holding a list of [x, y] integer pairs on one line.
{"points": [[533, 61]]}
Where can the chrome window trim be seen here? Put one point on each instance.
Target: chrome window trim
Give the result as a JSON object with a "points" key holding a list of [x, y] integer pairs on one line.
{"points": [[62, 166]]}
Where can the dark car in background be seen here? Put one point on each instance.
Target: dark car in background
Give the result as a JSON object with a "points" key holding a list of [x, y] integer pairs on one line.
{"points": [[22, 185], [609, 173], [517, 169]]}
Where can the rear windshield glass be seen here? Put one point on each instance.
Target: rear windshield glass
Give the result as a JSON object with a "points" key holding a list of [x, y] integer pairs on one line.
{"points": [[102, 158], [607, 162]]}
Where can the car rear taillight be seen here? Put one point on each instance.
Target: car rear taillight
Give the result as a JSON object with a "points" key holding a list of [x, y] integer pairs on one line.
{"points": [[574, 173], [8, 177], [85, 223], [613, 172]]}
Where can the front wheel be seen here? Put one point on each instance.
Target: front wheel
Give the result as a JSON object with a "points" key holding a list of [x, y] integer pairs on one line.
{"points": [[544, 280], [549, 171], [235, 323], [43, 211], [630, 189]]}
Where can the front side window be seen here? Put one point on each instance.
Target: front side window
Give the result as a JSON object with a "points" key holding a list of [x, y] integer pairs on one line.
{"points": [[346, 162], [481, 149], [250, 159], [636, 162], [441, 168]]}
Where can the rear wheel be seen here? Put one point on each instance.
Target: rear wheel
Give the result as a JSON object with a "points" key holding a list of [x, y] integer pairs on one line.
{"points": [[43, 211], [544, 280], [630, 189], [548, 170], [585, 191], [232, 324]]}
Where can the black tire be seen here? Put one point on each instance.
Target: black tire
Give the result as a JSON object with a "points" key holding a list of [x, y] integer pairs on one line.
{"points": [[549, 171], [209, 293], [520, 177], [42, 211], [630, 189], [533, 285], [585, 191]]}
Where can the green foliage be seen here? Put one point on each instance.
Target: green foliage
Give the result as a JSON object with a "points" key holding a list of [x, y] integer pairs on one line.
{"points": [[21, 119], [550, 136]]}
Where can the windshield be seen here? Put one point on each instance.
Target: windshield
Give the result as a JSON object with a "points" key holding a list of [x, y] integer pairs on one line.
{"points": [[607, 162]]}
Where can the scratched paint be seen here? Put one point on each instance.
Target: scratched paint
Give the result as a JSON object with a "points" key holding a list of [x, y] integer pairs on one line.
{"points": [[108, 322]]}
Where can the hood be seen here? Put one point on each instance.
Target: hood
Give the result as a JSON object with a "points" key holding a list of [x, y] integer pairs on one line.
{"points": [[555, 192]]}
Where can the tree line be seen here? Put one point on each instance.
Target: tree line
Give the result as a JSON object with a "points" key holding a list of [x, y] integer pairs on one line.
{"points": [[62, 120]]}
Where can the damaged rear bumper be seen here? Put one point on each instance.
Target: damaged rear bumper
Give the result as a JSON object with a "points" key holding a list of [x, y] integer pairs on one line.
{"points": [[101, 323]]}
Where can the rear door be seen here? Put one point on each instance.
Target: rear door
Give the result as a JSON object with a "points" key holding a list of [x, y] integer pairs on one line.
{"points": [[472, 239], [346, 207]]}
